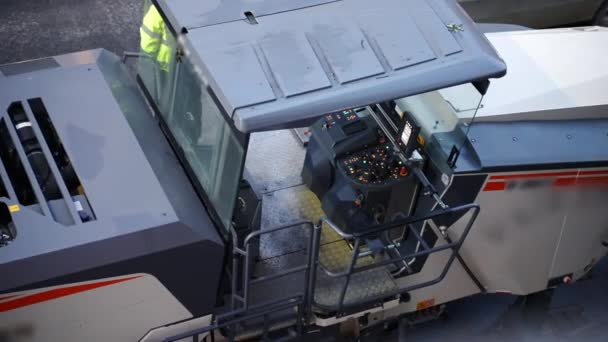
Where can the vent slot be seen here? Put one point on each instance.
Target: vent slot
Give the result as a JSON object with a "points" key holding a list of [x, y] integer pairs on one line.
{"points": [[14, 167], [7, 228], [3, 192], [33, 152], [69, 176]]}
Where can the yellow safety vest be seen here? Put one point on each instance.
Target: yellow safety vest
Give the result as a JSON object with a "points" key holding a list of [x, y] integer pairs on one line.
{"points": [[154, 41]]}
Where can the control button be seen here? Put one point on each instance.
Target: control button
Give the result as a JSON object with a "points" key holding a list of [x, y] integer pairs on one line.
{"points": [[359, 201]]}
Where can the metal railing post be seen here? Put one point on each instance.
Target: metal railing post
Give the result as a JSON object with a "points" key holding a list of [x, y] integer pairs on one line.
{"points": [[246, 274], [235, 260], [312, 276], [353, 261]]}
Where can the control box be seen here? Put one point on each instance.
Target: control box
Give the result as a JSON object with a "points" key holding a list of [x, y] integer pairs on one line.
{"points": [[355, 171]]}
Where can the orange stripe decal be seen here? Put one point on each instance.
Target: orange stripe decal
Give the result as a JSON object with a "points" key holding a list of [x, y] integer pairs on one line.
{"points": [[565, 181], [57, 293], [495, 186], [562, 182], [591, 173]]}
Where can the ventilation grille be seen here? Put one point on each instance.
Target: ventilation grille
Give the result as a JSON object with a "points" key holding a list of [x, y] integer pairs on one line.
{"points": [[35, 170]]}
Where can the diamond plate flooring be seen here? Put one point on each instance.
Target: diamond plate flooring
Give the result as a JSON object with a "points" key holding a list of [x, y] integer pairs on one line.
{"points": [[274, 160], [336, 257]]}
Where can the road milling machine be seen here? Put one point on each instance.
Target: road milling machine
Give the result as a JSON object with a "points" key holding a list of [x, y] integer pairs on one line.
{"points": [[179, 204]]}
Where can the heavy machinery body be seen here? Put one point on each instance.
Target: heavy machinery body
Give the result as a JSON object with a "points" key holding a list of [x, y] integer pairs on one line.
{"points": [[182, 204]]}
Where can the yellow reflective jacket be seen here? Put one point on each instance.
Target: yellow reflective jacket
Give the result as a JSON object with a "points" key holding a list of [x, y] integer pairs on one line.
{"points": [[153, 32]]}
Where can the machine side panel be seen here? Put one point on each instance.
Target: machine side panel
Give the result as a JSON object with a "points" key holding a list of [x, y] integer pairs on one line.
{"points": [[585, 229], [195, 288], [117, 309], [514, 241]]}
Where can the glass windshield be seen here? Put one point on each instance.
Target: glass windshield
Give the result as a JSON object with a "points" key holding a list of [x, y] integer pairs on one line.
{"points": [[442, 116]]}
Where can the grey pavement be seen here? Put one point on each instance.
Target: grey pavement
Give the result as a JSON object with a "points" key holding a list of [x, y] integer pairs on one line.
{"points": [[32, 29]]}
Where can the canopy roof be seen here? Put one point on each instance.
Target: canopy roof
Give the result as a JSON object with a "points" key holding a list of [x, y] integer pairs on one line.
{"points": [[299, 59]]}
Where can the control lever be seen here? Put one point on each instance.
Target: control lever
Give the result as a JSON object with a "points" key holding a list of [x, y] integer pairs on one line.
{"points": [[429, 187]]}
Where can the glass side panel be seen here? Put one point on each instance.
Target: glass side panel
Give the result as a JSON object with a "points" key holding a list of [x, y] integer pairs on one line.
{"points": [[210, 146], [442, 116]]}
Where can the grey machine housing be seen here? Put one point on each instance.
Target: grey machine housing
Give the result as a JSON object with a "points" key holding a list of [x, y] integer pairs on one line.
{"points": [[135, 210]]}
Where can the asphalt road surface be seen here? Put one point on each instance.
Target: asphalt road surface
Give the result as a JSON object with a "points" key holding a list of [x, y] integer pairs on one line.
{"points": [[40, 28], [579, 312]]}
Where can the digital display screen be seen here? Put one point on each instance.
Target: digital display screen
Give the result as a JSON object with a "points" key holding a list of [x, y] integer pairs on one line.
{"points": [[407, 133]]}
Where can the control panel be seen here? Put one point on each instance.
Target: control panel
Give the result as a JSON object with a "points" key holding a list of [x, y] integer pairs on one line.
{"points": [[374, 165]]}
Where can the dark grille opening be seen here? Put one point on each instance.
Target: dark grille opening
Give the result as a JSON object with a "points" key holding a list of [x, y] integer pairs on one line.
{"points": [[33, 152], [60, 156], [7, 228], [3, 192], [14, 167], [61, 159]]}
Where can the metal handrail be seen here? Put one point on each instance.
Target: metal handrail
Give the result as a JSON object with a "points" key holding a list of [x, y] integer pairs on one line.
{"points": [[426, 250], [337, 229], [247, 254], [399, 223], [309, 269], [275, 229], [409, 220]]}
